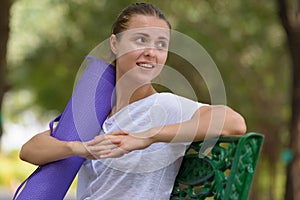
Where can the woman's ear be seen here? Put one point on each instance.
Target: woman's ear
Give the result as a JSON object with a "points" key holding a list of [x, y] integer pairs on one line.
{"points": [[114, 44]]}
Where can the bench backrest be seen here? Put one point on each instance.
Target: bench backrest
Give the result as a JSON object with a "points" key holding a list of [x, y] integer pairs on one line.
{"points": [[225, 173]]}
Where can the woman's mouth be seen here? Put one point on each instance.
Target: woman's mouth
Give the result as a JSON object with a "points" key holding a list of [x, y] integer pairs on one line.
{"points": [[145, 65]]}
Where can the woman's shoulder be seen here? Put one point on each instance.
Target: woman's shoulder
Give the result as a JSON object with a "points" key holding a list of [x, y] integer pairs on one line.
{"points": [[173, 100], [170, 97]]}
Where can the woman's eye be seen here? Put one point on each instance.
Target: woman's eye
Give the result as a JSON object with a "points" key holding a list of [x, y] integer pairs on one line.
{"points": [[161, 44], [140, 40]]}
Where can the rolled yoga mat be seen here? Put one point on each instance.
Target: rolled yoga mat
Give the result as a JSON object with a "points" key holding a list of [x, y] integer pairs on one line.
{"points": [[81, 120]]}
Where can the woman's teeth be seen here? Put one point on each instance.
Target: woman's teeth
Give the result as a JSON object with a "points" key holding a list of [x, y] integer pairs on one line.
{"points": [[149, 66]]}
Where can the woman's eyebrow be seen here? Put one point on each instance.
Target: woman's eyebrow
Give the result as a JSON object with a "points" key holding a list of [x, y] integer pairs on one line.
{"points": [[143, 34]]}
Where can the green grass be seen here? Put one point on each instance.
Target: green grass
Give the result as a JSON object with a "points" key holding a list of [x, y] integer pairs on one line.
{"points": [[14, 171]]}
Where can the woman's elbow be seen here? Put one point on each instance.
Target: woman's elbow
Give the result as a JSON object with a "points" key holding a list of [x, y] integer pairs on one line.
{"points": [[238, 124], [241, 127], [27, 152], [23, 155]]}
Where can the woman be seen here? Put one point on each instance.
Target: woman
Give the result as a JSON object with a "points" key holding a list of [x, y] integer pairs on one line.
{"points": [[137, 154]]}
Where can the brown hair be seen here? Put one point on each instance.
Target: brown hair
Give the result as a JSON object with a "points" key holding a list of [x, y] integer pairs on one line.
{"points": [[122, 20]]}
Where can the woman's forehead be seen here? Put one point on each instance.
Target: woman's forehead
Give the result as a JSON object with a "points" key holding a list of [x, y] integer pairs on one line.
{"points": [[154, 32], [144, 21]]}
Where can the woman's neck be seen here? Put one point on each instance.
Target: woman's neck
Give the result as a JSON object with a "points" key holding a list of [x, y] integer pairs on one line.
{"points": [[128, 95]]}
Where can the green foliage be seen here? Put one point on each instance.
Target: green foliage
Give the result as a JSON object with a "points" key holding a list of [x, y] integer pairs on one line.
{"points": [[60, 34], [241, 38]]}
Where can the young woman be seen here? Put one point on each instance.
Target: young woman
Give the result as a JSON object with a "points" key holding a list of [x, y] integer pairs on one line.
{"points": [[138, 153]]}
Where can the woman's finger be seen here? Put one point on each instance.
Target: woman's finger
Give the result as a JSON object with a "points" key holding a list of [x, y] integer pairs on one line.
{"points": [[119, 132], [96, 140], [115, 153], [99, 148], [103, 140]]}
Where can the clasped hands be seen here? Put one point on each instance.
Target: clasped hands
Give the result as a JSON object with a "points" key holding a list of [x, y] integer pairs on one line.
{"points": [[112, 145]]}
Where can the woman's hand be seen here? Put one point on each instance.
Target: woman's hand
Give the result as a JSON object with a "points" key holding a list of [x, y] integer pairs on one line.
{"points": [[80, 149], [116, 144]]}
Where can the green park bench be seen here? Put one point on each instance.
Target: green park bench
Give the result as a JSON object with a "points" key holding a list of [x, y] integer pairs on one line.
{"points": [[226, 173]]}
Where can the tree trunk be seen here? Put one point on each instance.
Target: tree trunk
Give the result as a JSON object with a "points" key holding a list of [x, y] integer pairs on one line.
{"points": [[4, 32], [291, 22]]}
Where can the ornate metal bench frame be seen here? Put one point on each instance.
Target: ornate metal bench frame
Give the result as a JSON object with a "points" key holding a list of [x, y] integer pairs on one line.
{"points": [[225, 173]]}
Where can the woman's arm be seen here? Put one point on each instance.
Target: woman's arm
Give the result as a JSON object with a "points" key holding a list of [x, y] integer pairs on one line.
{"points": [[207, 121], [43, 148]]}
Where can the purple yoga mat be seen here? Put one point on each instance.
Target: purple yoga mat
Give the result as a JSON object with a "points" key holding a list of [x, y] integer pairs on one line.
{"points": [[81, 121]]}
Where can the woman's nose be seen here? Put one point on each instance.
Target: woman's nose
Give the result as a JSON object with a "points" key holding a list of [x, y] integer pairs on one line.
{"points": [[150, 51]]}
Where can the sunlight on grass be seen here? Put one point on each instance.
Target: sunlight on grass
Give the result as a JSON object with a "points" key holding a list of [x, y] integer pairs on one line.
{"points": [[13, 172]]}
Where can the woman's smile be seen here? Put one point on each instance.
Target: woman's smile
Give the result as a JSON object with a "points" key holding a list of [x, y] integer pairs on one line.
{"points": [[146, 66]]}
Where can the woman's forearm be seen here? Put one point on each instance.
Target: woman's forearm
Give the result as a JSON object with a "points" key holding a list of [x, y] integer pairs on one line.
{"points": [[208, 121], [43, 148]]}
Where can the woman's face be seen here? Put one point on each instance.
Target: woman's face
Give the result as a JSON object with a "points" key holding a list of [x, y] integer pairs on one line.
{"points": [[141, 51]]}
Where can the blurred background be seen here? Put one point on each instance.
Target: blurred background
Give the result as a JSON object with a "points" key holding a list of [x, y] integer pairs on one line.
{"points": [[254, 43]]}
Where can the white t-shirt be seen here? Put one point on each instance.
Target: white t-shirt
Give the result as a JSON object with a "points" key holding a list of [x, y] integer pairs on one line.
{"points": [[146, 174]]}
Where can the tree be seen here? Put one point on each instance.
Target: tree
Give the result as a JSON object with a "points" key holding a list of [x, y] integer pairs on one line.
{"points": [[290, 19], [4, 32], [60, 39]]}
